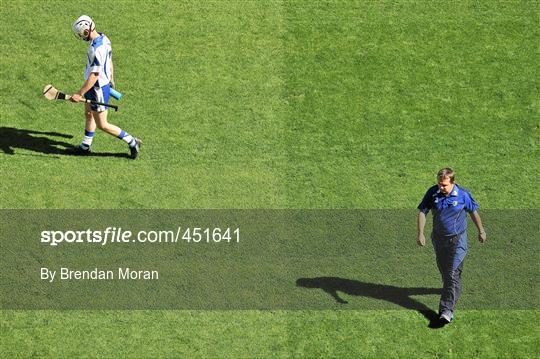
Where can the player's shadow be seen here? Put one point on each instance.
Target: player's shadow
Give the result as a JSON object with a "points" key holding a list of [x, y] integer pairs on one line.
{"points": [[41, 142], [397, 295]]}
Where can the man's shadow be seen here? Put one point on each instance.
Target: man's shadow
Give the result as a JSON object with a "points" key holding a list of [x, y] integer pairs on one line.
{"points": [[40, 142], [389, 293]]}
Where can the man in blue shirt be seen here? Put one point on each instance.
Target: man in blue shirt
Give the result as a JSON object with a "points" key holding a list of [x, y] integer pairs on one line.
{"points": [[449, 204]]}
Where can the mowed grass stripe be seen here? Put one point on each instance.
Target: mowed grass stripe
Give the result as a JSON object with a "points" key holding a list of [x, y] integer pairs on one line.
{"points": [[383, 94], [202, 84], [367, 333]]}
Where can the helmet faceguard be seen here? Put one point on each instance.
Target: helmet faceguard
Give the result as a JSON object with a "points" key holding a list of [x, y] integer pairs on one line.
{"points": [[83, 27]]}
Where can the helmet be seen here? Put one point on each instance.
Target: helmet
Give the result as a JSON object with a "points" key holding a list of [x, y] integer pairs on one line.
{"points": [[83, 26]]}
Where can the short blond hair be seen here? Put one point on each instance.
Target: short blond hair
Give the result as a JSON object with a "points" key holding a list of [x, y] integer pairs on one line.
{"points": [[446, 172]]}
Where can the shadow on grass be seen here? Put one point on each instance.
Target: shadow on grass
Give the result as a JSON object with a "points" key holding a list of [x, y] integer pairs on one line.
{"points": [[389, 293], [40, 142]]}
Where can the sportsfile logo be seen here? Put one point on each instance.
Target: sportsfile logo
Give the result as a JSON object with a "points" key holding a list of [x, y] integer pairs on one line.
{"points": [[109, 235], [119, 235]]}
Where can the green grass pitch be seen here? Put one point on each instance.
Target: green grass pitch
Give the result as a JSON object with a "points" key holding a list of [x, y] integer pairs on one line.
{"points": [[276, 104]]}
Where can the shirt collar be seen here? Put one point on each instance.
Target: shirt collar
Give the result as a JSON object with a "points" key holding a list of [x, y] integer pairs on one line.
{"points": [[97, 38], [454, 193]]}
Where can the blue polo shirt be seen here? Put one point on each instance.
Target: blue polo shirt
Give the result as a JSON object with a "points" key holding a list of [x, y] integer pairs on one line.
{"points": [[449, 211]]}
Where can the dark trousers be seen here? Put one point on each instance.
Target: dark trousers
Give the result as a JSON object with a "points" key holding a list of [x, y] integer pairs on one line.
{"points": [[450, 254]]}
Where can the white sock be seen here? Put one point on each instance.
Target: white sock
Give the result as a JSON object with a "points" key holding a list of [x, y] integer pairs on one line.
{"points": [[127, 138], [87, 139]]}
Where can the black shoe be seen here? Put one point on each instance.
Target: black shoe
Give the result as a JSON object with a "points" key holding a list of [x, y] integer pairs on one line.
{"points": [[135, 149], [79, 151], [446, 317]]}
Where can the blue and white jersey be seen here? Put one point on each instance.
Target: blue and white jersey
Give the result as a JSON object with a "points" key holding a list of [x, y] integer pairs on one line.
{"points": [[99, 59], [449, 211]]}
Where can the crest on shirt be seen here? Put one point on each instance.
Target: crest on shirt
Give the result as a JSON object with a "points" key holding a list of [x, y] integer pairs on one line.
{"points": [[454, 203]]}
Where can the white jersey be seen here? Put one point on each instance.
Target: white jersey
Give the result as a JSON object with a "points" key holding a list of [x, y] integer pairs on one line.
{"points": [[99, 60]]}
